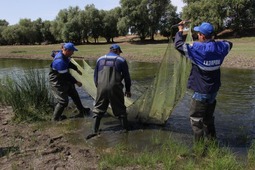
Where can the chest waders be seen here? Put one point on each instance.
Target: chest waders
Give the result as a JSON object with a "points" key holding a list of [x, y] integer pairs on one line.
{"points": [[110, 91], [202, 120], [61, 91]]}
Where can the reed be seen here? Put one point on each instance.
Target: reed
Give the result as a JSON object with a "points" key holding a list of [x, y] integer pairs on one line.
{"points": [[28, 94], [251, 156]]}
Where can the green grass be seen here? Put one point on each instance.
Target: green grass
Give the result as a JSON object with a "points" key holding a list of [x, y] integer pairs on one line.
{"points": [[251, 156], [153, 52], [243, 47], [172, 155], [135, 52]]}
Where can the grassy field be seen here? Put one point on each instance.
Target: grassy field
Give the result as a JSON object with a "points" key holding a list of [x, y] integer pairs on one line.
{"points": [[91, 51], [242, 54], [243, 47]]}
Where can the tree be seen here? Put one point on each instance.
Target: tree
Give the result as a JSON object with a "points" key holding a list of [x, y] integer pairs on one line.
{"points": [[145, 17], [205, 11], [72, 28], [110, 20], [67, 26], [95, 21], [169, 18], [135, 15], [55, 30], [3, 24], [27, 32], [11, 35], [240, 14], [122, 26], [235, 14], [85, 22], [37, 25], [47, 36], [157, 12]]}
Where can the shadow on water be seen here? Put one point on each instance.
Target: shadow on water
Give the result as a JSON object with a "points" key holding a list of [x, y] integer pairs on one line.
{"points": [[234, 114]]}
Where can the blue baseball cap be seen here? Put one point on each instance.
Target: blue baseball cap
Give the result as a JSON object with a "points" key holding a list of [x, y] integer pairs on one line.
{"points": [[115, 47], [205, 28], [70, 46]]}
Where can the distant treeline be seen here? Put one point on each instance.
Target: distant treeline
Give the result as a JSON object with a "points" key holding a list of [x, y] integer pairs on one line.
{"points": [[144, 18]]}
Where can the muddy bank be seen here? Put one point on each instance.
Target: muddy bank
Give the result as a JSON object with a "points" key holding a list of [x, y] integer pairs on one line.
{"points": [[41, 146]]}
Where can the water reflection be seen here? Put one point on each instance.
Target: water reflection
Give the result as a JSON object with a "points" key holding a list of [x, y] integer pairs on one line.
{"points": [[234, 114], [9, 67]]}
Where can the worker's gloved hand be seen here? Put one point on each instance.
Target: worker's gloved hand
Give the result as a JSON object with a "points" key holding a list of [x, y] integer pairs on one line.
{"points": [[128, 94], [78, 83], [79, 72]]}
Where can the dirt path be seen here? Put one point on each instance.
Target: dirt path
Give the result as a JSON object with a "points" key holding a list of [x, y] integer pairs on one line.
{"points": [[25, 146]]}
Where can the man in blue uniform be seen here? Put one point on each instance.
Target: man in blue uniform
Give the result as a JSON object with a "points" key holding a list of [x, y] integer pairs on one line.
{"points": [[63, 83], [110, 70], [206, 56]]}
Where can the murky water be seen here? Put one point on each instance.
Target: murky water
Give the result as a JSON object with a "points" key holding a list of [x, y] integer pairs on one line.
{"points": [[234, 114]]}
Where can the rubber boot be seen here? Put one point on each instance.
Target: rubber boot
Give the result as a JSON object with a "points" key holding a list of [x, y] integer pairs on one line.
{"points": [[197, 111], [209, 122], [95, 129], [96, 125], [124, 122], [59, 108], [197, 127]]}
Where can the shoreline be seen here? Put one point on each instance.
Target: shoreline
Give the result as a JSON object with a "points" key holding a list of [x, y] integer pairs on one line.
{"points": [[238, 62]]}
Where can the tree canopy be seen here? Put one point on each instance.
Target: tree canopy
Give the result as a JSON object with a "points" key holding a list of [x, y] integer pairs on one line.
{"points": [[234, 14], [144, 18]]}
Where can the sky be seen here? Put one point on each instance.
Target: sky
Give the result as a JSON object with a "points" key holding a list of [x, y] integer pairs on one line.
{"points": [[14, 10]]}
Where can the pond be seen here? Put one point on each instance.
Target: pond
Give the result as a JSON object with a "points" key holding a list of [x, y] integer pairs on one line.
{"points": [[234, 114]]}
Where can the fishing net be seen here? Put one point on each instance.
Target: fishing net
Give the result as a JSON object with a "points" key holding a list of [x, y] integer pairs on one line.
{"points": [[168, 88], [87, 79], [156, 103]]}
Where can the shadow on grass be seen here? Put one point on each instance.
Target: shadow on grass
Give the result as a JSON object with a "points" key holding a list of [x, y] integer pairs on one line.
{"points": [[6, 150]]}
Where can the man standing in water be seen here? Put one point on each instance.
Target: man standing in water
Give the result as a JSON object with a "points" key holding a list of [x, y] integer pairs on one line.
{"points": [[109, 72], [63, 83], [206, 56]]}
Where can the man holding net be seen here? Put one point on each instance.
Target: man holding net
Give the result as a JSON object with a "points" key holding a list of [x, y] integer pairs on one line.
{"points": [[206, 57], [63, 83], [109, 72]]}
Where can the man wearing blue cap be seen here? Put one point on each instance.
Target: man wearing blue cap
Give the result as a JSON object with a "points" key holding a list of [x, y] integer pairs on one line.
{"points": [[206, 56], [109, 72], [63, 83]]}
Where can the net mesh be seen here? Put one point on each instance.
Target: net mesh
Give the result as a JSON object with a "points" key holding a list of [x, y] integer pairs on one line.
{"points": [[157, 102], [168, 88], [87, 80]]}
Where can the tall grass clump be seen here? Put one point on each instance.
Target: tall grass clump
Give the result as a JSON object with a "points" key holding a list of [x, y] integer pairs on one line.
{"points": [[28, 94], [165, 155], [213, 157], [172, 154], [251, 156]]}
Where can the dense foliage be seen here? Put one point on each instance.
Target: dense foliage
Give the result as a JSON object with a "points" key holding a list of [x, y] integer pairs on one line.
{"points": [[144, 18], [235, 14]]}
